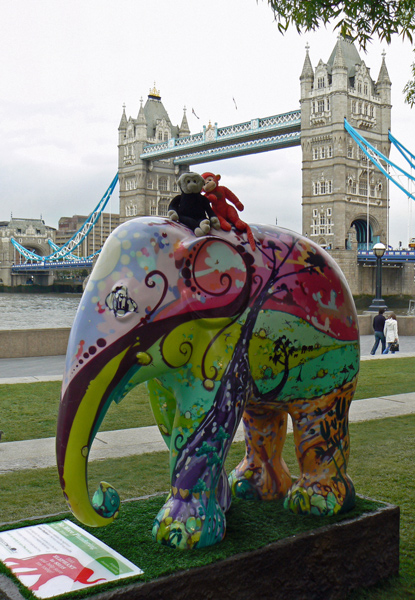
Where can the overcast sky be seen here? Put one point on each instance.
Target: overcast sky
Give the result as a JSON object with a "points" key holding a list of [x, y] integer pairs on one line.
{"points": [[67, 68]]}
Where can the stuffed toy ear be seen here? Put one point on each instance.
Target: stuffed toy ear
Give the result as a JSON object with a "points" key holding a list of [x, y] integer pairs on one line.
{"points": [[217, 177]]}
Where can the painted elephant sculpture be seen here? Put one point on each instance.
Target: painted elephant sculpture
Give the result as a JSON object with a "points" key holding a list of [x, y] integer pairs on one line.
{"points": [[218, 332]]}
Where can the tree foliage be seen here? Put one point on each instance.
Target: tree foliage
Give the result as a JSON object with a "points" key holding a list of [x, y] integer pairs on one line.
{"points": [[360, 19]]}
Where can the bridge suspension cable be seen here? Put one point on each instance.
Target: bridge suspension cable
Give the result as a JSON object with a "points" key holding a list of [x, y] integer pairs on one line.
{"points": [[66, 251], [375, 156]]}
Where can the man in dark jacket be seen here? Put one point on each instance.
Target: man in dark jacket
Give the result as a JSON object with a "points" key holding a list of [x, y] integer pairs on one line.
{"points": [[378, 325]]}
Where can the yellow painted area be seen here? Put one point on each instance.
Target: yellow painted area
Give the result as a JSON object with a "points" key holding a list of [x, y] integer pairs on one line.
{"points": [[187, 345]]}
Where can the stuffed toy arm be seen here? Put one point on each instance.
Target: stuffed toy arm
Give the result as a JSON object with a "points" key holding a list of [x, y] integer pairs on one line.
{"points": [[232, 198], [173, 207]]}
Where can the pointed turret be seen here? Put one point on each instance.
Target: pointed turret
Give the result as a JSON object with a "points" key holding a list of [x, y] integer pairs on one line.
{"points": [[141, 124], [384, 84], [383, 78], [184, 128], [339, 61], [307, 73], [123, 122], [141, 118], [339, 70]]}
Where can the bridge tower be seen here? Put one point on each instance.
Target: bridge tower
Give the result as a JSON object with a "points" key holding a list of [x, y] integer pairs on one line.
{"points": [[342, 193], [146, 187]]}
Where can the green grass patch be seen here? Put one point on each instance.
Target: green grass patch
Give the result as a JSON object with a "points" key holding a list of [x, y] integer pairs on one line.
{"points": [[382, 467], [250, 525], [29, 410], [385, 378]]}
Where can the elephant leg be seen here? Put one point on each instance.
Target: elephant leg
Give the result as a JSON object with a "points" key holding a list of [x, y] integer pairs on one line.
{"points": [[204, 426], [163, 405], [262, 474], [321, 435]]}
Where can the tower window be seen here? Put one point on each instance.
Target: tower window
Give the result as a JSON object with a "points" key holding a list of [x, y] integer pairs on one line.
{"points": [[163, 184], [163, 207], [365, 89], [330, 151], [359, 88], [320, 106], [323, 152], [353, 106], [349, 151], [320, 83], [315, 153]]}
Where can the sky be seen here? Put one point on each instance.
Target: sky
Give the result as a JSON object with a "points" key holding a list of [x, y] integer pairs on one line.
{"points": [[68, 66]]}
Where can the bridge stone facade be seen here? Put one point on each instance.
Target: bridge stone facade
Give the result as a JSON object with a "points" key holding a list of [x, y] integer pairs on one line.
{"points": [[147, 186], [33, 234], [342, 189]]}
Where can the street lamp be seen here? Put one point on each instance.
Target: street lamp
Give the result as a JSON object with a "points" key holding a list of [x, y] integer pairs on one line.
{"points": [[378, 302]]}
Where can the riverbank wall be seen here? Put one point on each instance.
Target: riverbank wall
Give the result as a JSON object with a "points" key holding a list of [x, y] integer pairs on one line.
{"points": [[24, 343]]}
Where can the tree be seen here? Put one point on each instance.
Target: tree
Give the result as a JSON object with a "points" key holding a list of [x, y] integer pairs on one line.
{"points": [[359, 19]]}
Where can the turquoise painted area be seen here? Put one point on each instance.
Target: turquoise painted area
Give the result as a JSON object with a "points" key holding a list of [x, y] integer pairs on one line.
{"points": [[316, 362]]}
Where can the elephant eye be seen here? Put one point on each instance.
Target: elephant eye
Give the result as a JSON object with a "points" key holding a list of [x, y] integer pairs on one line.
{"points": [[119, 302]]}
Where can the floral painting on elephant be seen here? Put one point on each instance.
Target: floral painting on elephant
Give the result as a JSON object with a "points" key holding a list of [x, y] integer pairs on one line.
{"points": [[219, 332]]}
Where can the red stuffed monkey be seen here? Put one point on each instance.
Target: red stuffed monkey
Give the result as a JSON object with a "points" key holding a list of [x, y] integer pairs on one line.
{"points": [[227, 215]]}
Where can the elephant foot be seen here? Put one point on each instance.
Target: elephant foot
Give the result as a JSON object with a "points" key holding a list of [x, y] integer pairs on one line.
{"points": [[321, 498], [259, 483], [196, 522]]}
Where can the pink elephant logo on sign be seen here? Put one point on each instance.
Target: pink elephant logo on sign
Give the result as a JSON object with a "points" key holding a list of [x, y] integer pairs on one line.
{"points": [[48, 566]]}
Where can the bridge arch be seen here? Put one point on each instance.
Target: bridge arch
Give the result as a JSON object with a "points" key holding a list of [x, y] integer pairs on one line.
{"points": [[360, 225]]}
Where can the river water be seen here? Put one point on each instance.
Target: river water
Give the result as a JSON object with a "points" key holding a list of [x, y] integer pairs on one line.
{"points": [[37, 311], [40, 311]]}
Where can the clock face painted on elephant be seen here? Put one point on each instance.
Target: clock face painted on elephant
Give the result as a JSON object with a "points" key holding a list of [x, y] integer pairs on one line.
{"points": [[218, 331]]}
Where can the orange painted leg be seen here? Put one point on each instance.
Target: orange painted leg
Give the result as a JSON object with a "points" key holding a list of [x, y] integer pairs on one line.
{"points": [[321, 436], [262, 474]]}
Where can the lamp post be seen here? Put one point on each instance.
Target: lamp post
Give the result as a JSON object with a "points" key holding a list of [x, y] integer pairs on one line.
{"points": [[378, 302]]}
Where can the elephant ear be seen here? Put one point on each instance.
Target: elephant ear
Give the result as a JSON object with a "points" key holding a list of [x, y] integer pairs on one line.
{"points": [[214, 276]]}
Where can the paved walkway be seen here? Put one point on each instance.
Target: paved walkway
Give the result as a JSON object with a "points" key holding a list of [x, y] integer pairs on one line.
{"points": [[38, 454]]}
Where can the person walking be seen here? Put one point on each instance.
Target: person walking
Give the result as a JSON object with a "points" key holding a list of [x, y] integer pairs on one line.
{"points": [[378, 327], [391, 333]]}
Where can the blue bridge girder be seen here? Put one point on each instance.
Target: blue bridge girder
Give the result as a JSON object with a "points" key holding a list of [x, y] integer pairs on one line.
{"points": [[391, 257], [49, 265], [213, 143]]}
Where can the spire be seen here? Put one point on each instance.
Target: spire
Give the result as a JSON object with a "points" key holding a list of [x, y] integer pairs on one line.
{"points": [[184, 127], [141, 118], [307, 72], [383, 73], [123, 122]]}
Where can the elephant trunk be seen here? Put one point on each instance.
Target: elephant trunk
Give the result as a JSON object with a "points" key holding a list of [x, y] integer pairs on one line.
{"points": [[83, 406]]}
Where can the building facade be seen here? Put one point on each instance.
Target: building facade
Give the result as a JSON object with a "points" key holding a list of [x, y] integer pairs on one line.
{"points": [[147, 187], [68, 227], [344, 197]]}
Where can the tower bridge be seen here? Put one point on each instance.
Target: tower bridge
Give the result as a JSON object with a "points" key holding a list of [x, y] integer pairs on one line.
{"points": [[213, 143], [345, 203]]}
